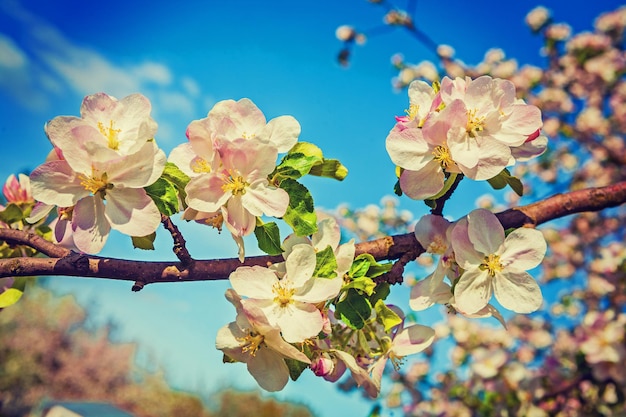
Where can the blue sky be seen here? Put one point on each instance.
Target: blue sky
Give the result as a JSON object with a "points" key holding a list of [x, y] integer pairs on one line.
{"points": [[188, 56]]}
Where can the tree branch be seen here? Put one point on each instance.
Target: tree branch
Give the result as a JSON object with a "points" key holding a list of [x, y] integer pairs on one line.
{"points": [[67, 263]]}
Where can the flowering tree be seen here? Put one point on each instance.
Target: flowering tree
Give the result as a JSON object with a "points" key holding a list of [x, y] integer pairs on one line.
{"points": [[318, 300]]}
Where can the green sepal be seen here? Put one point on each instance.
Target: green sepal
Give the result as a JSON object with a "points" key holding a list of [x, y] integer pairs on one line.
{"points": [[163, 193], [386, 316], [396, 189], [300, 214], [144, 242], [268, 238], [330, 168], [325, 263], [10, 296], [446, 187], [354, 309], [505, 178], [12, 213]]}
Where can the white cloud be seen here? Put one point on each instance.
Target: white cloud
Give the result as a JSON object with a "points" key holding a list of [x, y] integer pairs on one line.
{"points": [[54, 65], [11, 56]]}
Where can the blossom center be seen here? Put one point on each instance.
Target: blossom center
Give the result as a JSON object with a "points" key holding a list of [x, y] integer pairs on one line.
{"points": [[475, 123], [251, 342], [247, 135], [492, 265], [96, 185], [438, 246], [200, 165], [283, 293], [111, 134], [441, 154], [235, 184]]}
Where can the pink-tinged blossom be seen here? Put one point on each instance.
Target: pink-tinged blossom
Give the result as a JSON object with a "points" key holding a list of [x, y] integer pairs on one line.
{"points": [[422, 101], [231, 120], [359, 374], [239, 187], [328, 234], [17, 189], [108, 128], [495, 264], [105, 194], [252, 340], [486, 120], [288, 302], [423, 159], [406, 341]]}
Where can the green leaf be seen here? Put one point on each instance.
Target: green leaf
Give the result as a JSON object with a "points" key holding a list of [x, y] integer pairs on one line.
{"points": [[11, 214], [386, 316], [396, 189], [330, 168], [375, 269], [294, 166], [300, 214], [177, 177], [163, 193], [325, 263], [295, 366], [381, 293], [268, 238], [505, 178], [307, 149], [10, 296], [144, 242], [359, 267], [363, 285], [354, 310]]}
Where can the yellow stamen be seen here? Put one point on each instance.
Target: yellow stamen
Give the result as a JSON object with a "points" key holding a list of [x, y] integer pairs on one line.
{"points": [[284, 293], [474, 124], [492, 265], [236, 184], [247, 135], [251, 342], [94, 184], [111, 134], [442, 155], [200, 165]]}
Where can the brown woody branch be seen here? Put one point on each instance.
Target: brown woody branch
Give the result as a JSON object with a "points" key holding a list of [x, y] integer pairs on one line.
{"points": [[64, 262]]}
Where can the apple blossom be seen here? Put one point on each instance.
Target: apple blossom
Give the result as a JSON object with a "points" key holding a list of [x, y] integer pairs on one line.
{"points": [[230, 120], [17, 191], [104, 194], [288, 302], [406, 341], [495, 264], [252, 340], [115, 127], [239, 187]]}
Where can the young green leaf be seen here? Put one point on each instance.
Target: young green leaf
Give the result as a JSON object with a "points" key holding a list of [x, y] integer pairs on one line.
{"points": [[268, 238], [325, 263], [300, 214], [144, 242], [163, 193], [386, 316], [330, 168], [354, 310]]}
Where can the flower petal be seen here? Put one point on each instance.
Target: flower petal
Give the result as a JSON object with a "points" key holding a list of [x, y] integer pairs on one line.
{"points": [[473, 291], [517, 291], [253, 281], [524, 249], [485, 231], [131, 211], [89, 225], [412, 339]]}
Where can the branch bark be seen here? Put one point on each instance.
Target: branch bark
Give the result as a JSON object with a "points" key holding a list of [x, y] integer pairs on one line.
{"points": [[64, 262]]}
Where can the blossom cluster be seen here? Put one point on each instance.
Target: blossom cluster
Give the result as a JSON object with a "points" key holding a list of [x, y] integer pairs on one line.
{"points": [[228, 157], [472, 127], [98, 169], [480, 261], [290, 304]]}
